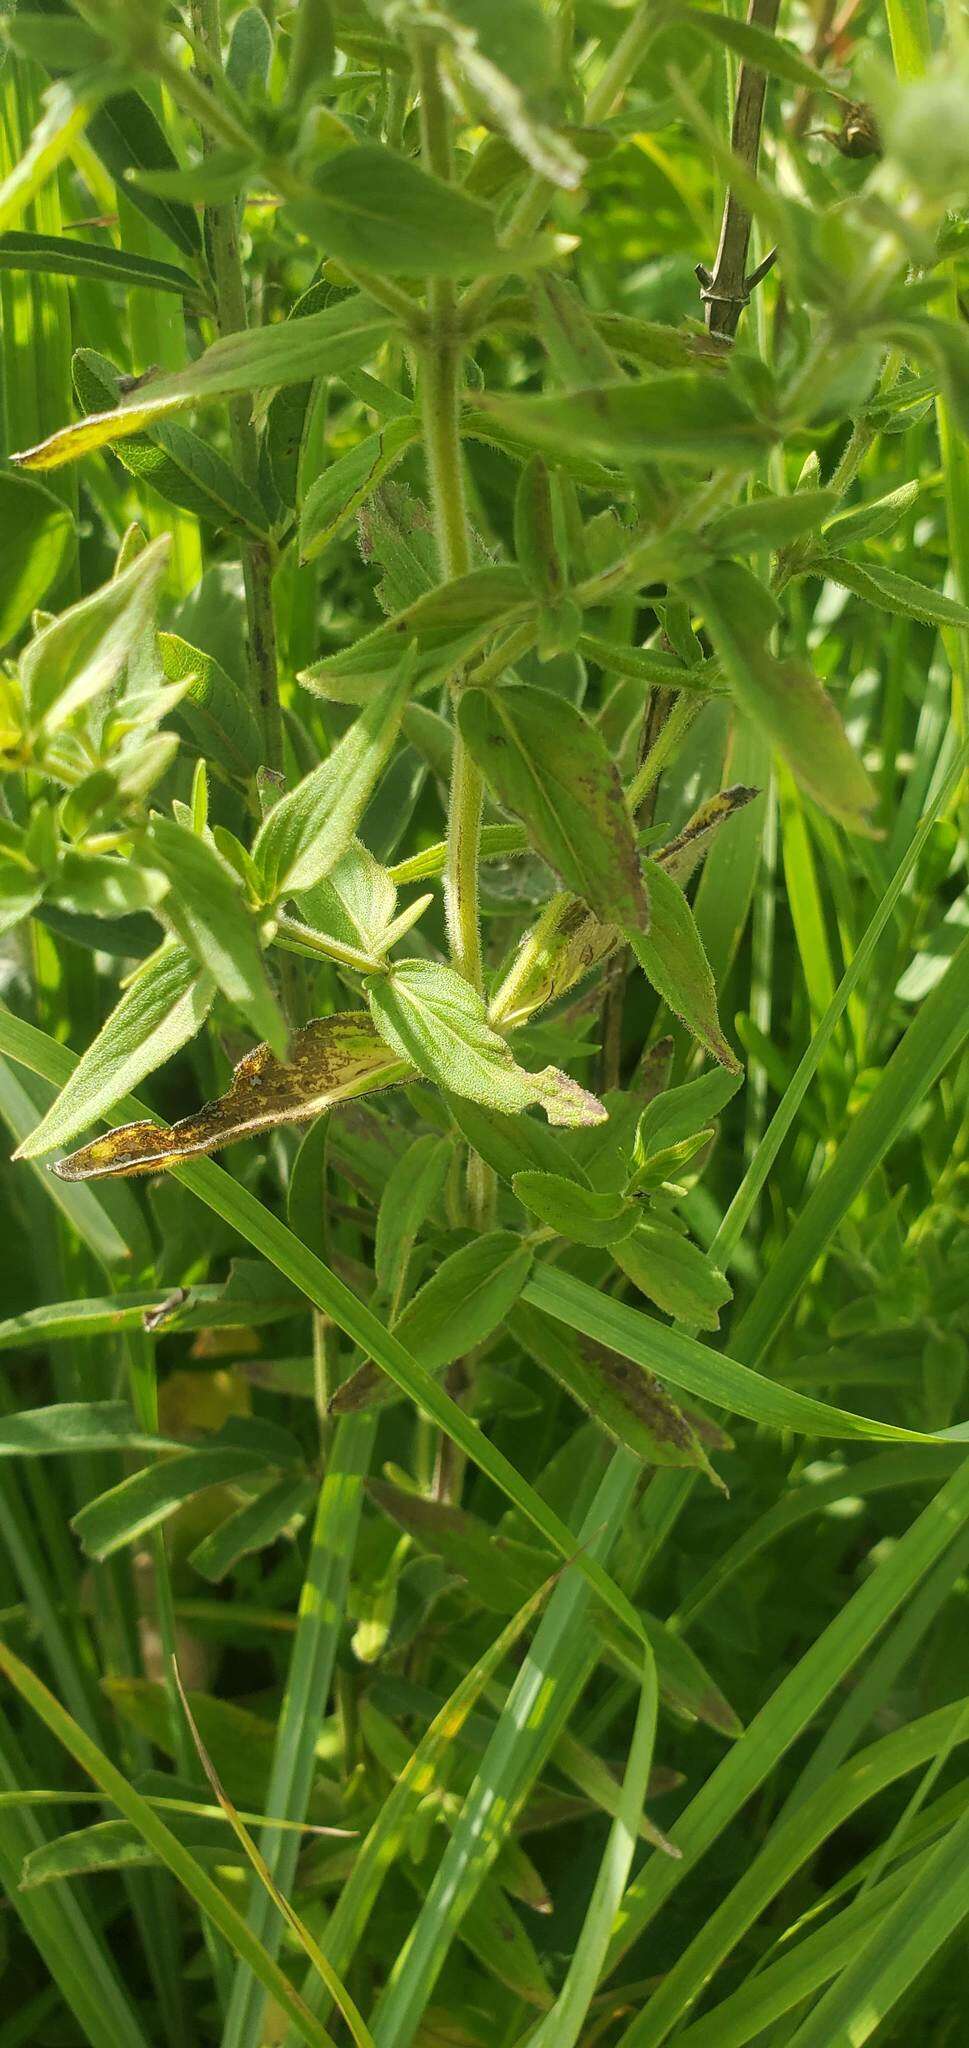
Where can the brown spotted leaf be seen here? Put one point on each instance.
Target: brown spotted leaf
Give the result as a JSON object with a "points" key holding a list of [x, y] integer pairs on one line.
{"points": [[623, 1398], [682, 856], [331, 1059]]}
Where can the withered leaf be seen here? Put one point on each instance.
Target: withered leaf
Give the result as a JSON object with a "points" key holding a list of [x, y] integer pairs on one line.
{"points": [[331, 1059]]}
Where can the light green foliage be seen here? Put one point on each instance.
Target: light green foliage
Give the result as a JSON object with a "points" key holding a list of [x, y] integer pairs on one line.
{"points": [[484, 668]]}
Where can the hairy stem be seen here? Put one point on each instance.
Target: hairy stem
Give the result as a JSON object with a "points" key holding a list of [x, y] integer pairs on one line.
{"points": [[231, 311]]}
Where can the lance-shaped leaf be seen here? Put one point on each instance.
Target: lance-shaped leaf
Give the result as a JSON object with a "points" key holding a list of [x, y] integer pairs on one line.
{"points": [[306, 832], [759, 48], [680, 857], [207, 908], [324, 344], [330, 1060], [468, 1296], [583, 1214], [411, 1192], [784, 698], [69, 256], [36, 541], [692, 415], [544, 761], [127, 136], [355, 902], [68, 106], [627, 1401], [368, 205], [434, 1019], [179, 465], [81, 653], [147, 1498], [448, 624], [671, 955], [891, 592], [346, 484], [163, 1008], [212, 709]]}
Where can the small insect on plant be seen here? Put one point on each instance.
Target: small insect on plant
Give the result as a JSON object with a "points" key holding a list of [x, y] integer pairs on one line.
{"points": [[484, 716]]}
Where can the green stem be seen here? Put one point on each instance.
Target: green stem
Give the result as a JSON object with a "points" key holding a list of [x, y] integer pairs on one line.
{"points": [[232, 315]]}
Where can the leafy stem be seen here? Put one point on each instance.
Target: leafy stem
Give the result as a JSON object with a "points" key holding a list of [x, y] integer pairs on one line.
{"points": [[232, 314]]}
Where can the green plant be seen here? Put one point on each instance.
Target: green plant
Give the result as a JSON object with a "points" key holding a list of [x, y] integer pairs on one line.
{"points": [[462, 690]]}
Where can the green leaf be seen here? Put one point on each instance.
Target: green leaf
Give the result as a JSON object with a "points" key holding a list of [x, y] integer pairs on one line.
{"points": [[785, 699], [126, 1512], [68, 256], [207, 909], [467, 1297], [771, 522], [213, 710], [126, 135], [68, 106], [448, 624], [176, 463], [132, 1806], [355, 903], [582, 1214], [433, 1018], [695, 417], [671, 955], [759, 48], [367, 205], [546, 762], [36, 543], [411, 1193], [891, 592], [324, 344], [506, 1141], [81, 653], [680, 1113], [164, 1007], [307, 831], [281, 1508], [343, 486], [878, 516], [674, 1274], [626, 1400], [331, 1060], [71, 1426]]}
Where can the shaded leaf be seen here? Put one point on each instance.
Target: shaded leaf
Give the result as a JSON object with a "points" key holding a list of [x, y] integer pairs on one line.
{"points": [[547, 763], [674, 1274], [207, 908], [695, 417], [624, 1399], [583, 1214], [671, 955], [36, 543], [305, 833]]}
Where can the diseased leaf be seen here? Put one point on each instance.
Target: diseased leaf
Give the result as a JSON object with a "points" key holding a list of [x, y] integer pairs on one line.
{"points": [[163, 1008], [680, 857], [583, 1214], [339, 338], [546, 762], [624, 1399], [330, 1060], [307, 831], [434, 1019]]}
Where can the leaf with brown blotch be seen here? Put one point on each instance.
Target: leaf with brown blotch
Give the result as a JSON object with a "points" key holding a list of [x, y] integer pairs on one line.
{"points": [[682, 855], [331, 1059]]}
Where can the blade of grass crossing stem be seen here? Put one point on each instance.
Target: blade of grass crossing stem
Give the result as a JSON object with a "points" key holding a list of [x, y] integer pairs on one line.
{"points": [[157, 326], [61, 1932], [213, 1186], [387, 1838], [790, 1845], [936, 1032], [321, 1612], [905, 1941], [200, 1886], [538, 1704], [287, 1913], [561, 2027], [779, 1723], [755, 1179]]}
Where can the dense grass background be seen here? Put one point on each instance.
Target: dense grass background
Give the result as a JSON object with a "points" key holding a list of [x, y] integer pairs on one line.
{"points": [[748, 1821]]}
